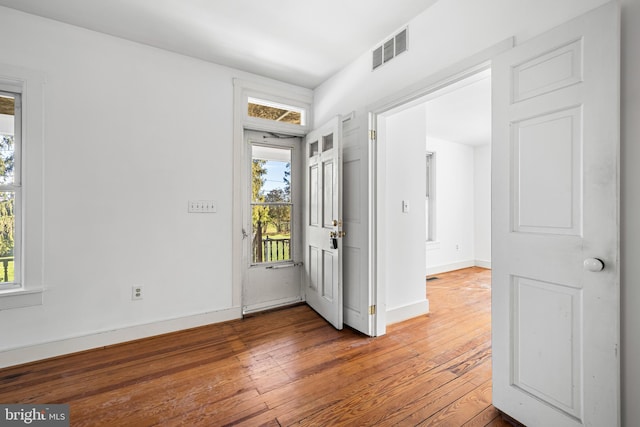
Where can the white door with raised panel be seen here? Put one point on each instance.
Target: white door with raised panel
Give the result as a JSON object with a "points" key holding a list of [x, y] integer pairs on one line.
{"points": [[323, 222], [555, 227]]}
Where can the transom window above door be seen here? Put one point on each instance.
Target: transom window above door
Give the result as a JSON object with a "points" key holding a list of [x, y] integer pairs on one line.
{"points": [[268, 110]]}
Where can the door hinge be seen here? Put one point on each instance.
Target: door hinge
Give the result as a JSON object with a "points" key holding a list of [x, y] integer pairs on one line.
{"points": [[372, 309], [372, 135]]}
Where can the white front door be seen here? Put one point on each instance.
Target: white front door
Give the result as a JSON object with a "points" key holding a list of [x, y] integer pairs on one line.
{"points": [[272, 219], [555, 314], [323, 221]]}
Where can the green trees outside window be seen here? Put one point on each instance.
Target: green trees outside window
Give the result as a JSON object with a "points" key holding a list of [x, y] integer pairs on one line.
{"points": [[7, 209], [271, 210]]}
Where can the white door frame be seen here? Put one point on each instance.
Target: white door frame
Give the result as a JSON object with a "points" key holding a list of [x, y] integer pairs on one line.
{"points": [[287, 94], [268, 285], [377, 221]]}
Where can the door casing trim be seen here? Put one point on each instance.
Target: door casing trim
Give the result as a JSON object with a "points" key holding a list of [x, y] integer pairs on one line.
{"points": [[405, 97]]}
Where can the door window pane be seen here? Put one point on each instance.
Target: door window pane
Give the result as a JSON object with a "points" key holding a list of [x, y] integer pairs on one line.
{"points": [[327, 142], [271, 204], [271, 233], [313, 149]]}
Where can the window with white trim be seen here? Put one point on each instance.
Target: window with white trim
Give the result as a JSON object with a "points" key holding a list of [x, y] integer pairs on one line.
{"points": [[10, 189], [277, 112], [21, 168], [271, 204], [430, 199], [272, 108]]}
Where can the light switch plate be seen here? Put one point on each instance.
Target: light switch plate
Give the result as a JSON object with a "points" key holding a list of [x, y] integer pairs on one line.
{"points": [[202, 206]]}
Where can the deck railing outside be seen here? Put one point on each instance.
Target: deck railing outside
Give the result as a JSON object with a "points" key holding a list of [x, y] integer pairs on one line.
{"points": [[5, 267], [276, 249]]}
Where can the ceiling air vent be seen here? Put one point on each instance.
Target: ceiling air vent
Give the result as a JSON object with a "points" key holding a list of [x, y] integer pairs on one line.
{"points": [[401, 41], [389, 49], [377, 57]]}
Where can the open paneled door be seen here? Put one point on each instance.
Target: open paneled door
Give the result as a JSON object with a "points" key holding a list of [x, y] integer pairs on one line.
{"points": [[555, 185], [323, 221]]}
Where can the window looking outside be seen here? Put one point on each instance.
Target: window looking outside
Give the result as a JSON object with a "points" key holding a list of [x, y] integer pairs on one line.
{"points": [[271, 204], [282, 113], [10, 189], [430, 200]]}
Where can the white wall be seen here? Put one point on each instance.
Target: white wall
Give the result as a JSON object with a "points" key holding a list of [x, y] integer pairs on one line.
{"points": [[446, 33], [453, 30], [404, 180], [463, 207], [482, 205], [454, 244], [113, 184], [131, 134]]}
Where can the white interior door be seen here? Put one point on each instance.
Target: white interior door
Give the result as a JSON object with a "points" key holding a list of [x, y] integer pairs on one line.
{"points": [[357, 295], [323, 221], [555, 224]]}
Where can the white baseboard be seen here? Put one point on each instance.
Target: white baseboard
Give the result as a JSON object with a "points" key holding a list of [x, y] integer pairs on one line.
{"points": [[457, 266], [398, 314], [450, 267], [483, 264], [47, 350]]}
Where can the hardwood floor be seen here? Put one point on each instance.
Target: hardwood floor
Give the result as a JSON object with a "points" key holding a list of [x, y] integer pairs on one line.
{"points": [[286, 367]]}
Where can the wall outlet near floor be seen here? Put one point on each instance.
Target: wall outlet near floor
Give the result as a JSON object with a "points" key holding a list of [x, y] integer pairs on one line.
{"points": [[136, 292]]}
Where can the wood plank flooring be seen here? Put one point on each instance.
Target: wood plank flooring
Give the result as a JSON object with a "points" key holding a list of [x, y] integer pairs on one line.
{"points": [[286, 367]]}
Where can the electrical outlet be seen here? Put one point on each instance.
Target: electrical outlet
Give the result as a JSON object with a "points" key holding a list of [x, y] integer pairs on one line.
{"points": [[136, 292]]}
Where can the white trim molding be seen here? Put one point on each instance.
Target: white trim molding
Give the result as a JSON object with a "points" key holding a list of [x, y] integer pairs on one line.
{"points": [[76, 344], [406, 312], [269, 91], [483, 264]]}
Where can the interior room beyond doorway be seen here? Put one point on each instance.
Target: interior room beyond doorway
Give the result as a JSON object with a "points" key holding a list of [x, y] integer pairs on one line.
{"points": [[442, 221], [458, 209]]}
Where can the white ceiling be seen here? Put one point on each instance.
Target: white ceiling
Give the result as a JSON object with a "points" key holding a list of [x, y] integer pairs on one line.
{"points": [[460, 112], [462, 115], [303, 42]]}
